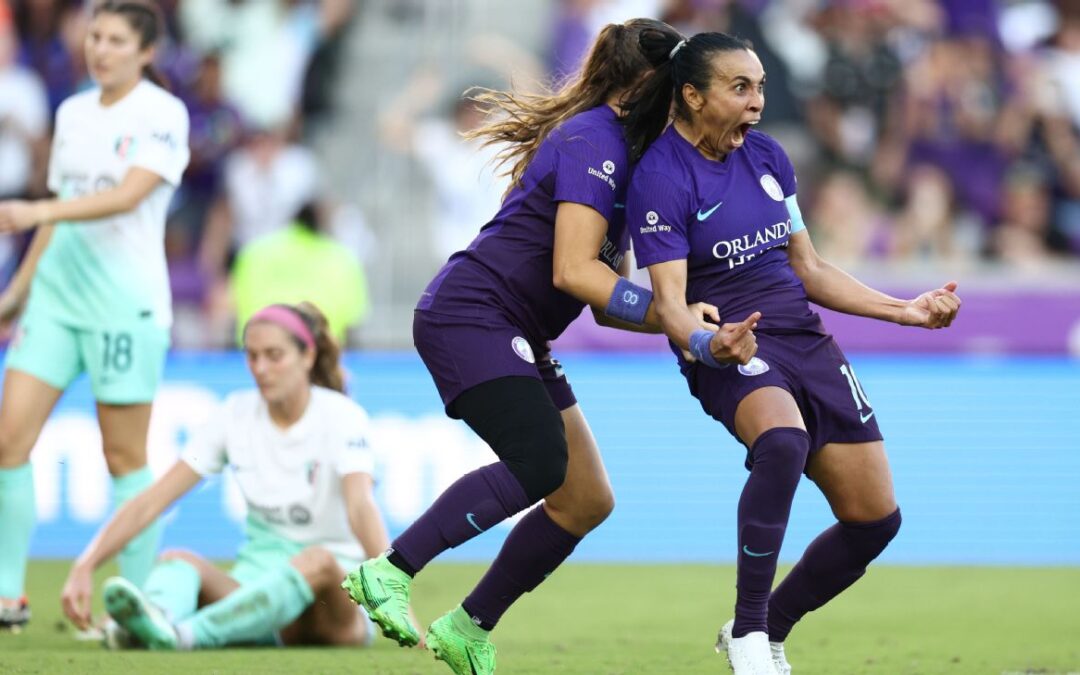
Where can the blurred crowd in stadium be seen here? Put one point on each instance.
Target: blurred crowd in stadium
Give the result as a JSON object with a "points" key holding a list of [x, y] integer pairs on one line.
{"points": [[323, 133]]}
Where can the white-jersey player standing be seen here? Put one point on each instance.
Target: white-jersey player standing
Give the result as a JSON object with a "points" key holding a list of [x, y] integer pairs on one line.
{"points": [[96, 278]]}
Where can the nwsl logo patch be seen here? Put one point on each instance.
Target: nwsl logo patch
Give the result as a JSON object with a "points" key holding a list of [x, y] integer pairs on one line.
{"points": [[522, 348], [124, 146], [755, 367]]}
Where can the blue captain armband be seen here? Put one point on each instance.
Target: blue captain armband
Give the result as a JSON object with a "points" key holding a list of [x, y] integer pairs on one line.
{"points": [[795, 213], [629, 302]]}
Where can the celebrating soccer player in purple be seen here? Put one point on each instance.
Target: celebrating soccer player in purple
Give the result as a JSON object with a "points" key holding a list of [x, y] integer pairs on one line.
{"points": [[713, 214], [482, 327]]}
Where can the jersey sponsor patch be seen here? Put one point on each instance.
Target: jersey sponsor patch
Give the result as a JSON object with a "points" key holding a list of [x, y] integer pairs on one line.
{"points": [[755, 367], [523, 349]]}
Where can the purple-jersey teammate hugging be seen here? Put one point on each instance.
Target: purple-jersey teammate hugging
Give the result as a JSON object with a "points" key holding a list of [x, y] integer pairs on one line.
{"points": [[483, 326], [713, 214]]}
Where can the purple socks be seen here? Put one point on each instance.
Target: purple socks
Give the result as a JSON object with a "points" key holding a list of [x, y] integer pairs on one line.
{"points": [[471, 505], [831, 563], [779, 457], [532, 551]]}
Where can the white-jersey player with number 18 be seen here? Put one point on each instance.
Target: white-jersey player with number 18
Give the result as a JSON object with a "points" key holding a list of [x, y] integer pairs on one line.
{"points": [[96, 278]]}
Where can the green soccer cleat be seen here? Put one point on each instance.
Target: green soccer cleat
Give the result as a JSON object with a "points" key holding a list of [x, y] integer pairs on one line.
{"points": [[383, 590], [464, 654], [130, 609]]}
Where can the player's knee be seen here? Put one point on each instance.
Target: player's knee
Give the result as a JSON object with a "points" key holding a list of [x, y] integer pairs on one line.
{"points": [[15, 445], [516, 417], [781, 449], [598, 506], [872, 537], [123, 458], [318, 565], [538, 458]]}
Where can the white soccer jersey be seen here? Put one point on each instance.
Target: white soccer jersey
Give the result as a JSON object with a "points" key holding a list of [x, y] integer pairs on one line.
{"points": [[110, 271], [290, 479]]}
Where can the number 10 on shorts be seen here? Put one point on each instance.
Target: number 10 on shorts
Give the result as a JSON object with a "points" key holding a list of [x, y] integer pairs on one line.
{"points": [[857, 392]]}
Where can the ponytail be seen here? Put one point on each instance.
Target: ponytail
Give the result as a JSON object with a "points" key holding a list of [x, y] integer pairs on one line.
{"points": [[151, 73], [327, 371], [648, 108]]}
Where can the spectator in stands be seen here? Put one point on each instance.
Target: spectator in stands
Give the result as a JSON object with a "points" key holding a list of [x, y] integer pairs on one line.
{"points": [[1021, 237], [300, 262], [51, 33], [263, 42], [266, 181], [463, 171], [955, 113], [1058, 111], [24, 125]]}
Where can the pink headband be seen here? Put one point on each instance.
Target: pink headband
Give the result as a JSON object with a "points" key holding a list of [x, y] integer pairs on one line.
{"points": [[287, 319]]}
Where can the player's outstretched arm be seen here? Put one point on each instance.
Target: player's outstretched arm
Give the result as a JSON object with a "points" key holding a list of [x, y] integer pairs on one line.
{"points": [[833, 288], [125, 524], [138, 183]]}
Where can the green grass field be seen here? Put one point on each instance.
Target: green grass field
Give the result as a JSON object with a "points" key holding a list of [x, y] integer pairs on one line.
{"points": [[609, 619]]}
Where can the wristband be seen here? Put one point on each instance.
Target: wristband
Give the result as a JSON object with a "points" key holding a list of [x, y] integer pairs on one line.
{"points": [[629, 302], [699, 347]]}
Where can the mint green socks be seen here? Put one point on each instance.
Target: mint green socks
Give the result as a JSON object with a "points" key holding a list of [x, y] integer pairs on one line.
{"points": [[173, 587], [137, 558], [249, 613], [17, 517]]}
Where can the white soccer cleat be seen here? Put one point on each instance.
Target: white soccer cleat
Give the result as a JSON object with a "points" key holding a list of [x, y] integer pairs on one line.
{"points": [[748, 655], [779, 659]]}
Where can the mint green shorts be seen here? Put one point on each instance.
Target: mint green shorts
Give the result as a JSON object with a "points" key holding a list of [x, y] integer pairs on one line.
{"points": [[124, 363], [262, 552]]}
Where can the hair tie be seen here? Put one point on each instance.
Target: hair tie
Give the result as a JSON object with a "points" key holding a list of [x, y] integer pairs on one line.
{"points": [[675, 49], [286, 318]]}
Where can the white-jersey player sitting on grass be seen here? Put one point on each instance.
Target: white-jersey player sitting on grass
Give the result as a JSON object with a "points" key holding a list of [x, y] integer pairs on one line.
{"points": [[298, 449]]}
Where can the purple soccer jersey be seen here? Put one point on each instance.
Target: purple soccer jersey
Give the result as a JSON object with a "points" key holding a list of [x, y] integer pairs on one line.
{"points": [[729, 220], [505, 275]]}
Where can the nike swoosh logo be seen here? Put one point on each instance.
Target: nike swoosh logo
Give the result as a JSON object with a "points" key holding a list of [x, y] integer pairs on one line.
{"points": [[472, 521], [863, 418], [369, 594], [704, 216], [750, 553]]}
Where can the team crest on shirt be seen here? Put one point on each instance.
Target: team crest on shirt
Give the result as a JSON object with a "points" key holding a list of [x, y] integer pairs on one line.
{"points": [[771, 187], [755, 367], [123, 146], [523, 349]]}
